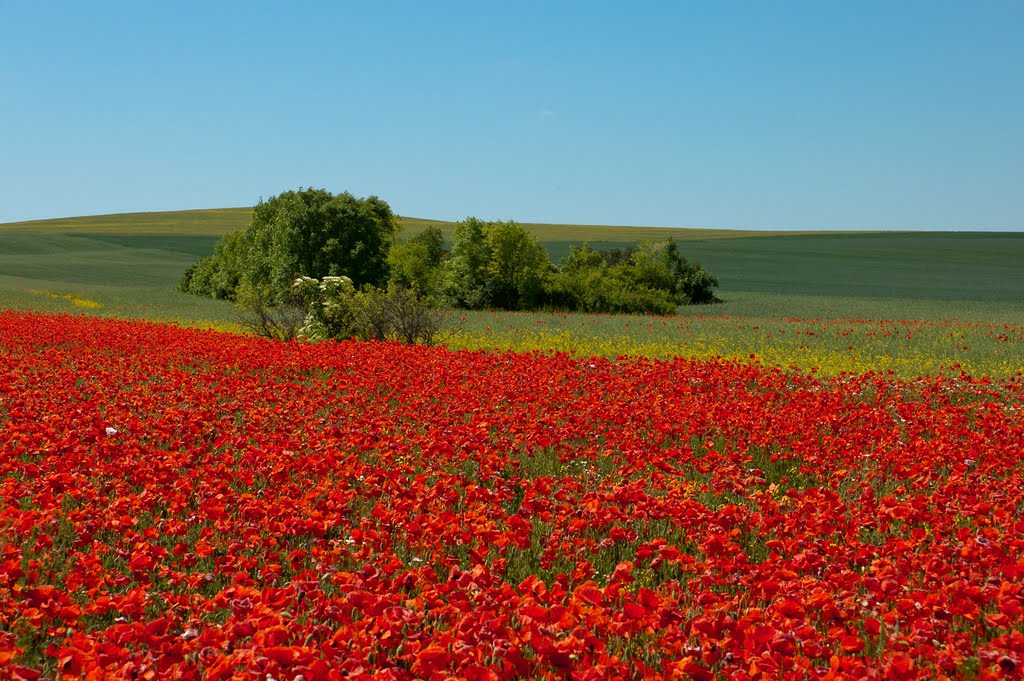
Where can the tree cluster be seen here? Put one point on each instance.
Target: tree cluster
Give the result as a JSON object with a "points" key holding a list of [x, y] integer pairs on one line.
{"points": [[340, 240], [499, 265], [652, 278]]}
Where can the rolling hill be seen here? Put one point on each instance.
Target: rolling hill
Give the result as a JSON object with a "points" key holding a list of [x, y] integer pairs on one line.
{"points": [[128, 264]]}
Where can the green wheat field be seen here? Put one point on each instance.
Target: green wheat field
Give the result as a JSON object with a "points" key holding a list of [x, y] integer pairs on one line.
{"points": [[909, 302]]}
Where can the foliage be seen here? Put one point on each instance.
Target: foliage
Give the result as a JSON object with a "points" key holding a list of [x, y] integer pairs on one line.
{"points": [[584, 282], [268, 317], [400, 313], [336, 310], [829, 347], [494, 265], [309, 232], [617, 256], [416, 263], [464, 277], [219, 275], [185, 504], [499, 265], [516, 266], [658, 265], [330, 308], [652, 278]]}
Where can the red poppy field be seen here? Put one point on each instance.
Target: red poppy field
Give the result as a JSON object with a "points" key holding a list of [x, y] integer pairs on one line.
{"points": [[187, 504]]}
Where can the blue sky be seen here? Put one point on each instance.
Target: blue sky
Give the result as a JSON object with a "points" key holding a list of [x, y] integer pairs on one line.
{"points": [[775, 115]]}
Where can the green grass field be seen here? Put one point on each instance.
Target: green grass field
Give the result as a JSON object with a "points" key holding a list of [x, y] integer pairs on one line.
{"points": [[127, 265]]}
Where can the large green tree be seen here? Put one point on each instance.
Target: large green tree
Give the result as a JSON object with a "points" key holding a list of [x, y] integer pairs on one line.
{"points": [[416, 264], [464, 276], [494, 264], [309, 232], [516, 267]]}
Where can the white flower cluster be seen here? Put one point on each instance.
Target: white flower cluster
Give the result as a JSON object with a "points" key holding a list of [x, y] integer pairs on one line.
{"points": [[335, 283], [328, 304]]}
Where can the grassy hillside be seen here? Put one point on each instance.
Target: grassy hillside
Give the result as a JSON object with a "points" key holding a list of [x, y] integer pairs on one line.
{"points": [[210, 223], [128, 264], [118, 265], [216, 222]]}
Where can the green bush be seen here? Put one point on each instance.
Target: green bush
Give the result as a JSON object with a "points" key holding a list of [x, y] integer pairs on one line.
{"points": [[336, 310], [268, 316], [330, 307], [652, 278], [599, 288]]}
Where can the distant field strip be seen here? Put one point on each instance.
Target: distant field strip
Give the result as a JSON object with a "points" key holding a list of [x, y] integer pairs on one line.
{"points": [[829, 347], [791, 299]]}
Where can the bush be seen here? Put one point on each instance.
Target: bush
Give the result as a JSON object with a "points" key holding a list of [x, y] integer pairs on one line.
{"points": [[500, 265], [330, 307], [603, 291], [336, 310], [586, 282], [696, 284], [217, 275], [399, 313], [268, 317]]}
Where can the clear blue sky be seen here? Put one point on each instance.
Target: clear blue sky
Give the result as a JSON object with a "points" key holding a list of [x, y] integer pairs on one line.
{"points": [[799, 115]]}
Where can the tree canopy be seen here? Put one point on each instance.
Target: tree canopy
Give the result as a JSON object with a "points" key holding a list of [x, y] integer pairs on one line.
{"points": [[497, 265], [494, 265], [416, 263], [501, 265], [309, 232]]}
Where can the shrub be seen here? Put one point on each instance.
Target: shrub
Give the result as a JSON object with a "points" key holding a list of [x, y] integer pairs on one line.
{"points": [[399, 313], [330, 307], [336, 310], [653, 278], [265, 316]]}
